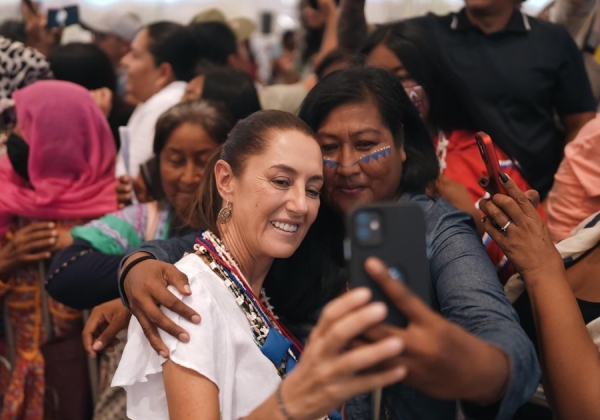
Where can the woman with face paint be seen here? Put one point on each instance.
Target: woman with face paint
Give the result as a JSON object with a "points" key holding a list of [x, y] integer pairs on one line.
{"points": [[376, 149], [257, 201], [58, 172], [452, 117]]}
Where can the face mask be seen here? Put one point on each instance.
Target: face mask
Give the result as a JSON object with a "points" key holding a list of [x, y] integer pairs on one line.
{"points": [[18, 154]]}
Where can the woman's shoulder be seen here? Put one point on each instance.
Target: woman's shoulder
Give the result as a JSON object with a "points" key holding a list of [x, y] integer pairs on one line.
{"points": [[209, 291], [439, 214]]}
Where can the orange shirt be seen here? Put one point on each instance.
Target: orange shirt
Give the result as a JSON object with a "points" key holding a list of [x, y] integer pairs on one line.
{"points": [[575, 194]]}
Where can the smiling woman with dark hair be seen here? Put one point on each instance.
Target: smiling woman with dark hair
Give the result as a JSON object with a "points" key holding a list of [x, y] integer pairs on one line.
{"points": [[186, 137], [375, 147], [256, 203]]}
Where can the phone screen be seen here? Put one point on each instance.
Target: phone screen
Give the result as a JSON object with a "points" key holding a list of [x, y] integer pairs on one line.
{"points": [[61, 18]]}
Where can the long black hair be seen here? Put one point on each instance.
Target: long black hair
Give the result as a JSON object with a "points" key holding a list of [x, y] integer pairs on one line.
{"points": [[359, 85], [314, 274], [452, 105]]}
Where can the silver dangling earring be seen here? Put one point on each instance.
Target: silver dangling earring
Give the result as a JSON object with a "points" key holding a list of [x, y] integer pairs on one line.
{"points": [[225, 214]]}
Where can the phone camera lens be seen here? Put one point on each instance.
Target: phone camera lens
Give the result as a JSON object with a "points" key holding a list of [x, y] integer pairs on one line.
{"points": [[395, 273], [363, 233], [362, 219]]}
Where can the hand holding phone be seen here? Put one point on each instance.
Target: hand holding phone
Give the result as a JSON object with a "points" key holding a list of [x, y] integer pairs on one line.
{"points": [[488, 154], [394, 233], [61, 18]]}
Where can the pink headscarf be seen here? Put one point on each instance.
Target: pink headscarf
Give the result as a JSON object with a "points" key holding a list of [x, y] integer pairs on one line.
{"points": [[72, 157]]}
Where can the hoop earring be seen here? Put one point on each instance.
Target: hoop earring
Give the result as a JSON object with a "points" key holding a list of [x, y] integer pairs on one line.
{"points": [[225, 214]]}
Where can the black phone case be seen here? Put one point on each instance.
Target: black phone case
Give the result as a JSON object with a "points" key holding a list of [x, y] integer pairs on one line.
{"points": [[403, 247]]}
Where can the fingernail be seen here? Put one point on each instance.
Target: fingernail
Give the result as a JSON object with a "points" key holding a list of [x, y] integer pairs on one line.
{"points": [[400, 371], [97, 345], [195, 319], [503, 177], [47, 254], [379, 309], [51, 225], [396, 344], [164, 354], [362, 294], [52, 240], [183, 337], [187, 289], [54, 233]]}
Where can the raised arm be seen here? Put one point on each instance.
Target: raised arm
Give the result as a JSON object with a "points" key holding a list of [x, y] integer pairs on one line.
{"points": [[352, 25], [326, 375], [569, 357], [81, 277]]}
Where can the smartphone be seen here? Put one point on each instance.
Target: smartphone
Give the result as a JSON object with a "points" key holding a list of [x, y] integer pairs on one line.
{"points": [[151, 176], [394, 233], [61, 18], [488, 154]]}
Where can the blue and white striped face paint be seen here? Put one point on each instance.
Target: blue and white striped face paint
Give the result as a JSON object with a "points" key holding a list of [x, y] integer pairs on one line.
{"points": [[367, 159]]}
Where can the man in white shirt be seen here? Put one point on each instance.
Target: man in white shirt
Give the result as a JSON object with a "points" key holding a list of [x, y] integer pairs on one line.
{"points": [[137, 138], [158, 66]]}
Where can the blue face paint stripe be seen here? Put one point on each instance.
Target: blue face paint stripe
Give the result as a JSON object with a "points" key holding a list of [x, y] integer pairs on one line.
{"points": [[383, 153]]}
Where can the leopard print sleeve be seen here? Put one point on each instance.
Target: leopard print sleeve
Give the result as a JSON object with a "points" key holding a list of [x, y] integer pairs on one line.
{"points": [[20, 66]]}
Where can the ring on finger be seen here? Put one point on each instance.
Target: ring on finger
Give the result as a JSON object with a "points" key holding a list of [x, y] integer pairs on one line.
{"points": [[504, 228]]}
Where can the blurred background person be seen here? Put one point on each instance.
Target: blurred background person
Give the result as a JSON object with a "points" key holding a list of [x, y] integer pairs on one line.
{"points": [[113, 34], [88, 66], [58, 172], [284, 66]]}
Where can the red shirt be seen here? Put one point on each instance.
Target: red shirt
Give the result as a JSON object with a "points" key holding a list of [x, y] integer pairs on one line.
{"points": [[461, 161]]}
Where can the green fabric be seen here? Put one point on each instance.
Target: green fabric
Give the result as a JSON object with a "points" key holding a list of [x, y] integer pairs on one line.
{"points": [[105, 243], [167, 230]]}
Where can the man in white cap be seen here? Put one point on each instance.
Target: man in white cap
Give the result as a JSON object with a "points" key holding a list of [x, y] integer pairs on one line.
{"points": [[113, 33]]}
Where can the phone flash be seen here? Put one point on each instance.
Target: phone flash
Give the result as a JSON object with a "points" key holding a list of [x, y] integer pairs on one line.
{"points": [[61, 17]]}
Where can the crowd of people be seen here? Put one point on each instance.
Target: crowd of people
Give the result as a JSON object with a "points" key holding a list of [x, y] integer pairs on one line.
{"points": [[172, 230]]}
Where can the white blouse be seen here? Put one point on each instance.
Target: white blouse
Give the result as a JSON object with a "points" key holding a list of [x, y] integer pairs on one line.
{"points": [[221, 348]]}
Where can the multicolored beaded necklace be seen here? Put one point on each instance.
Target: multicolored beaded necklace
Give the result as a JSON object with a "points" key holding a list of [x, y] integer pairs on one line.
{"points": [[268, 333], [258, 311]]}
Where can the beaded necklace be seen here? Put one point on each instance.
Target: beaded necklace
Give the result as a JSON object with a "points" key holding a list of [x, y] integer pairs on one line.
{"points": [[257, 311]]}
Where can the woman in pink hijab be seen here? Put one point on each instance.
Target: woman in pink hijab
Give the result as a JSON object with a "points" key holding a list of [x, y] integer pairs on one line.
{"points": [[58, 172]]}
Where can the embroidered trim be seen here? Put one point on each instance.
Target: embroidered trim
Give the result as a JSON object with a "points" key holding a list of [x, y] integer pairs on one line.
{"points": [[67, 263]]}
